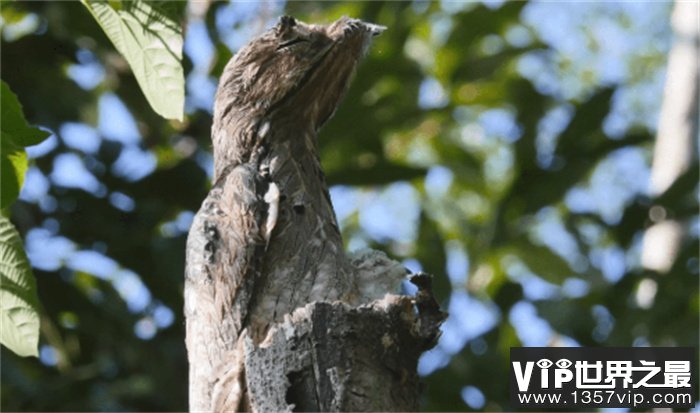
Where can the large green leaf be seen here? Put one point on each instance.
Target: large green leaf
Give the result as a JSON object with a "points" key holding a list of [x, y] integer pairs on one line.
{"points": [[19, 304], [151, 41], [15, 134]]}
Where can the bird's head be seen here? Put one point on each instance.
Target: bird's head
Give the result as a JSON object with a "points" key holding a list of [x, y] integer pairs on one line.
{"points": [[294, 69]]}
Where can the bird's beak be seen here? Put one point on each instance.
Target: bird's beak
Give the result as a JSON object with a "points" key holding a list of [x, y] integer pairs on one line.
{"points": [[345, 26], [375, 29]]}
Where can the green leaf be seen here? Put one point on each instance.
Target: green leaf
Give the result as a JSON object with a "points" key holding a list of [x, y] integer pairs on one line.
{"points": [[19, 304], [561, 313], [680, 192], [13, 166], [14, 125], [379, 174], [151, 41], [582, 135], [524, 94], [432, 257], [543, 261], [15, 134], [476, 68]]}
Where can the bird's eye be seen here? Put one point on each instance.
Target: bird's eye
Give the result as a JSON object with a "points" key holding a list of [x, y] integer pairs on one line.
{"points": [[291, 42]]}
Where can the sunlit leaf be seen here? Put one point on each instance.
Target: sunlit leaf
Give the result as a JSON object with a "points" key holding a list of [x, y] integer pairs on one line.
{"points": [[15, 134], [19, 304], [10, 15], [13, 165], [151, 41]]}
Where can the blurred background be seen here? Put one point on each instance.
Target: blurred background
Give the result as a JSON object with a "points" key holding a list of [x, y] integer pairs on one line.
{"points": [[508, 148]]}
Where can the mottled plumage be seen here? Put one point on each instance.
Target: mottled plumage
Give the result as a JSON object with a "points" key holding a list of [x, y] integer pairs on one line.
{"points": [[265, 240]]}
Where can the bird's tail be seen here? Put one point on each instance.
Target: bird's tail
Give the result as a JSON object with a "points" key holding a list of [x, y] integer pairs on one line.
{"points": [[228, 392]]}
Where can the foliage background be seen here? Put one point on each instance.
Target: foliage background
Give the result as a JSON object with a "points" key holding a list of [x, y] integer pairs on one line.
{"points": [[503, 147]]}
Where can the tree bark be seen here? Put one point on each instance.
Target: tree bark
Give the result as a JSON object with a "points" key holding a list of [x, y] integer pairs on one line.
{"points": [[278, 317], [335, 357]]}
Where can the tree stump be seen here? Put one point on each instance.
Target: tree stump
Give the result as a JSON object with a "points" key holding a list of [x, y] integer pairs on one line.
{"points": [[329, 356]]}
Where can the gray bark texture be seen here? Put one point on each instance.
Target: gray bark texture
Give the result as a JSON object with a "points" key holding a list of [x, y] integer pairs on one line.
{"points": [[278, 317], [336, 357]]}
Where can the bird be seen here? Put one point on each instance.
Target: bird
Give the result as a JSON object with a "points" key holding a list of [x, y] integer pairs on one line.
{"points": [[265, 241]]}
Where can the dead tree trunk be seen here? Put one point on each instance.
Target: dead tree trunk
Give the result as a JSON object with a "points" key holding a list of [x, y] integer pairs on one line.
{"points": [[278, 317], [336, 357]]}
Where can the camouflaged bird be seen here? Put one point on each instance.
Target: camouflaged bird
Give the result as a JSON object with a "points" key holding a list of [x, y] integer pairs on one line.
{"points": [[265, 240]]}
